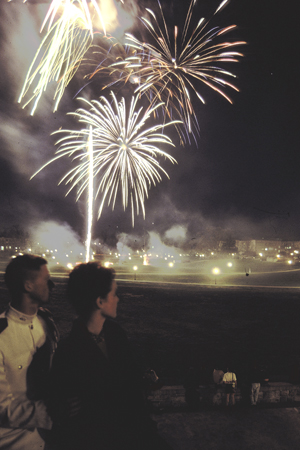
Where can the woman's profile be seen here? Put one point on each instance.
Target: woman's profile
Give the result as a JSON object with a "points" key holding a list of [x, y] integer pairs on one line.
{"points": [[95, 369]]}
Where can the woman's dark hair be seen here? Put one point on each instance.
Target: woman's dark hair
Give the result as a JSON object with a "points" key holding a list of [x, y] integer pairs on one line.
{"points": [[87, 282]]}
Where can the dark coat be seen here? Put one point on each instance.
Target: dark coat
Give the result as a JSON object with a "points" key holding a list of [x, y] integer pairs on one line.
{"points": [[112, 413]]}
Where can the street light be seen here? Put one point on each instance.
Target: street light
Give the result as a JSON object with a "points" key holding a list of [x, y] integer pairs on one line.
{"points": [[216, 271], [135, 268]]}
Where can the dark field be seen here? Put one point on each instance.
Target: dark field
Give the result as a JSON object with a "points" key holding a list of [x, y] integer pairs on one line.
{"points": [[173, 327]]}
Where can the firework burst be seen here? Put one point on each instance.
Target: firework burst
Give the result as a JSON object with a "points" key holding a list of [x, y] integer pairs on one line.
{"points": [[88, 9], [125, 153], [106, 61], [58, 57], [170, 68]]}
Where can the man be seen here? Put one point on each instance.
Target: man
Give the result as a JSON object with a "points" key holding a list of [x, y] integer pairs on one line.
{"points": [[28, 338]]}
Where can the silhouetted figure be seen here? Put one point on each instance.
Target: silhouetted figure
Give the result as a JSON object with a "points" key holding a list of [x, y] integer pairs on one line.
{"points": [[230, 382], [151, 382], [218, 375], [94, 364], [28, 338], [256, 377]]}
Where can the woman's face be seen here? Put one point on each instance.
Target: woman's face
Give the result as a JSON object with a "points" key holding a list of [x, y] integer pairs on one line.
{"points": [[109, 304]]}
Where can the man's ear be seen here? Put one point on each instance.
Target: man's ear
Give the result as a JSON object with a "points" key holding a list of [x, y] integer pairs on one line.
{"points": [[28, 285]]}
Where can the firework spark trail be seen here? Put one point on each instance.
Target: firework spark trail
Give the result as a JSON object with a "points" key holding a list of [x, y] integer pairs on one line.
{"points": [[90, 158], [104, 59], [168, 68], [82, 5], [58, 57], [124, 152]]}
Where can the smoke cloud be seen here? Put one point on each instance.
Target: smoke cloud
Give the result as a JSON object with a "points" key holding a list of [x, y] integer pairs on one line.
{"points": [[59, 241]]}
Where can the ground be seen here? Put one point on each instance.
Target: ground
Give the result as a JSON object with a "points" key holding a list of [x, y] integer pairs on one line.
{"points": [[239, 429]]}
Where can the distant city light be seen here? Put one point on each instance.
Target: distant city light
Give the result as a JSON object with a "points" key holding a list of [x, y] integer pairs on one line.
{"points": [[108, 263], [229, 264]]}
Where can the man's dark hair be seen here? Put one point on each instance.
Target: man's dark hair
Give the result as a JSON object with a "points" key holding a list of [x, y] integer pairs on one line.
{"points": [[87, 282], [20, 269]]}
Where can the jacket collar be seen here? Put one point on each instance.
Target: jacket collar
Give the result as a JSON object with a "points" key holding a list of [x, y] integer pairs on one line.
{"points": [[18, 316]]}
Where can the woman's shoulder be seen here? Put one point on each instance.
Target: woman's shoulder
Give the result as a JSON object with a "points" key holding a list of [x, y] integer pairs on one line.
{"points": [[113, 327]]}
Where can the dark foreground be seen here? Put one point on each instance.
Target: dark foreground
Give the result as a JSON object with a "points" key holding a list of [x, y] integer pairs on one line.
{"points": [[173, 327], [176, 327], [240, 429]]}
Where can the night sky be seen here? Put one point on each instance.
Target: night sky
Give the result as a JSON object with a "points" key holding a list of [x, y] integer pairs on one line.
{"points": [[241, 177]]}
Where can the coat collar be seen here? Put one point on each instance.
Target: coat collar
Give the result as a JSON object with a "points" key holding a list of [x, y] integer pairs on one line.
{"points": [[18, 316], [83, 339]]}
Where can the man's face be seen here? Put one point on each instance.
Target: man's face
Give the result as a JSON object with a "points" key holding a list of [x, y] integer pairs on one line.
{"points": [[38, 286]]}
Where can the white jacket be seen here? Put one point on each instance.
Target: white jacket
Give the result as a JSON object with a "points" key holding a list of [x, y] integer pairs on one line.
{"points": [[21, 417]]}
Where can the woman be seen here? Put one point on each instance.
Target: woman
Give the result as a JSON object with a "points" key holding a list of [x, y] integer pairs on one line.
{"points": [[97, 400]]}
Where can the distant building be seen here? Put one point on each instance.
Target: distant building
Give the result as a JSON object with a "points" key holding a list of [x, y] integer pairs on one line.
{"points": [[6, 244], [10, 245], [267, 248]]}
